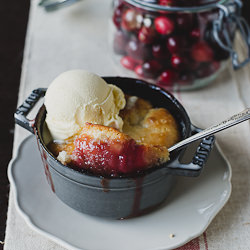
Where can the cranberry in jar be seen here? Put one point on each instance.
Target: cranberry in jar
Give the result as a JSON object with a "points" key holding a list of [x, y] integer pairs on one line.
{"points": [[176, 44]]}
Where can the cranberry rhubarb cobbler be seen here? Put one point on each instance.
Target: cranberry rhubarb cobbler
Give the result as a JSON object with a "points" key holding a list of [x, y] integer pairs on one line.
{"points": [[146, 135], [106, 153]]}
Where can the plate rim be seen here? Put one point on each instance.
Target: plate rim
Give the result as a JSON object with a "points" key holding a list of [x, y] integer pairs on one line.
{"points": [[68, 245]]}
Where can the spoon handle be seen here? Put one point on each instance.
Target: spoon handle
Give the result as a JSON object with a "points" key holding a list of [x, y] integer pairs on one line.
{"points": [[234, 120]]}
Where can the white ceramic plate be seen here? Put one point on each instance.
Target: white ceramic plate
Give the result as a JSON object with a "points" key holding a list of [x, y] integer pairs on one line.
{"points": [[187, 212]]}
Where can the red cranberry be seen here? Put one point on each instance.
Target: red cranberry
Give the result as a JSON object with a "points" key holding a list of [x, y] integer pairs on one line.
{"points": [[178, 62], [151, 68], [146, 34], [128, 62], [160, 52], [195, 34], [138, 50], [201, 52], [120, 42], [117, 16], [167, 78], [184, 21], [139, 71], [174, 44], [164, 25], [130, 20], [166, 2]]}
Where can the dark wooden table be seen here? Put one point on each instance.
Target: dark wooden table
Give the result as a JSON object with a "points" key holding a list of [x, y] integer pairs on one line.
{"points": [[13, 22]]}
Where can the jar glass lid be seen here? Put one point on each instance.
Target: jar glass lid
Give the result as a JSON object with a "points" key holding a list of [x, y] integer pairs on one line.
{"points": [[176, 5]]}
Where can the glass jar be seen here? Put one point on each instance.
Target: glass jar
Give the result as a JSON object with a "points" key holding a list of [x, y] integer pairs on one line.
{"points": [[177, 44]]}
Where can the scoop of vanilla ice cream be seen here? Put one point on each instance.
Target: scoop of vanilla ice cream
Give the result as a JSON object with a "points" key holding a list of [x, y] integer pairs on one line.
{"points": [[76, 97]]}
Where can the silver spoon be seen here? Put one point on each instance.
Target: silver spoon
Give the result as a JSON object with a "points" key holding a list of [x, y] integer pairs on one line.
{"points": [[234, 120], [52, 5]]}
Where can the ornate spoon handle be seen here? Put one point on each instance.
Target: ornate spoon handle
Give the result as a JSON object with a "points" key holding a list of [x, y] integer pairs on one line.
{"points": [[234, 120]]}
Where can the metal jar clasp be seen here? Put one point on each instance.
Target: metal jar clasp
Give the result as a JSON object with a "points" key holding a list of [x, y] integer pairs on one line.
{"points": [[230, 19]]}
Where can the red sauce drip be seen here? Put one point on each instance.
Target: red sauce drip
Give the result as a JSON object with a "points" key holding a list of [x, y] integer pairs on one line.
{"points": [[136, 210], [105, 185], [108, 157], [47, 172]]}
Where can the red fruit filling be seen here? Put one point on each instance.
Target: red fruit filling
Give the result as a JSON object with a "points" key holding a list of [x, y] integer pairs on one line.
{"points": [[108, 157]]}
